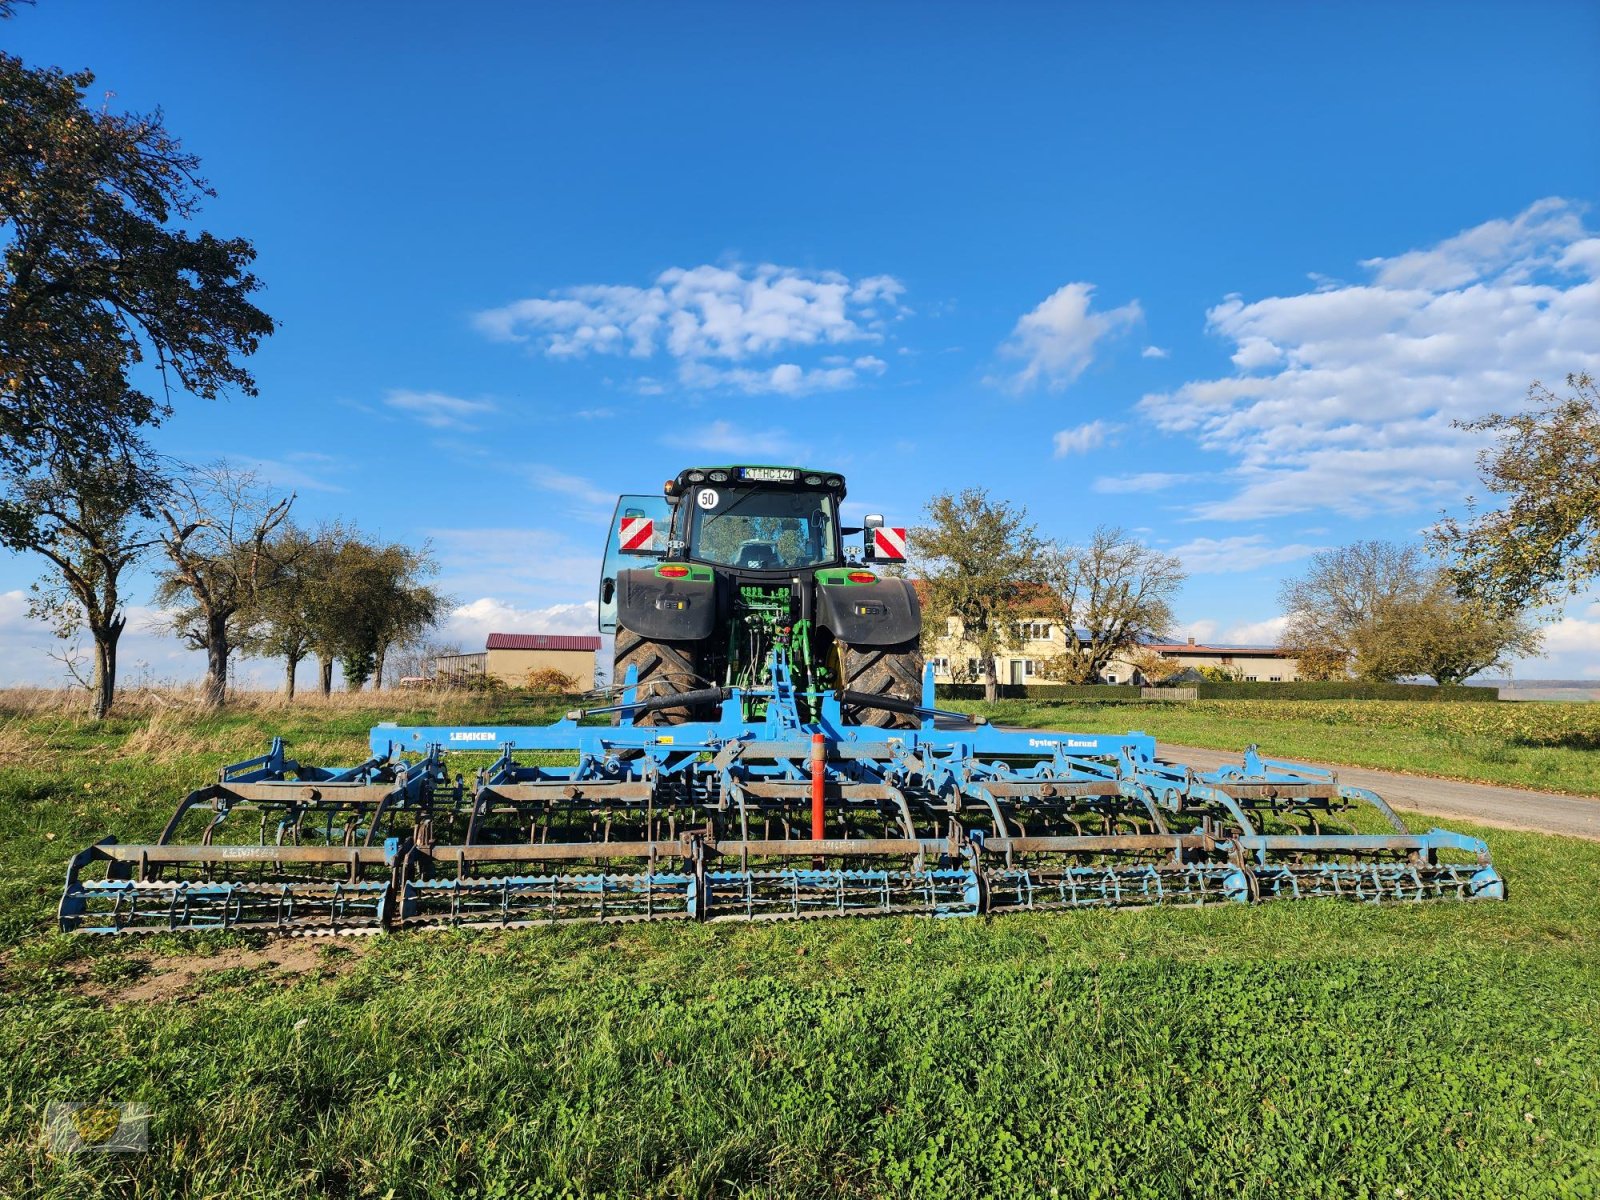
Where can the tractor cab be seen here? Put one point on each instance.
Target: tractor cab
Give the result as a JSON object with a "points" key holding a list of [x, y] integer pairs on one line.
{"points": [[757, 519]]}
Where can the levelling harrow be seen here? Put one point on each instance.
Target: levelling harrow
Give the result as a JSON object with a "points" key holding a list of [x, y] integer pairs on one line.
{"points": [[748, 819]]}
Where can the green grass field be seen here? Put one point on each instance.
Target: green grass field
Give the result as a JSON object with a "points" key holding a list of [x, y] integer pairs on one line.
{"points": [[1311, 1049], [1549, 747]]}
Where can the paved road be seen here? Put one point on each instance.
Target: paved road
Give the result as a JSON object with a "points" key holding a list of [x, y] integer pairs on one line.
{"points": [[1506, 807]]}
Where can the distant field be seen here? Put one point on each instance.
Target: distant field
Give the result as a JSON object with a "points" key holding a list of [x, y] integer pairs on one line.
{"points": [[1551, 747], [1306, 1050]]}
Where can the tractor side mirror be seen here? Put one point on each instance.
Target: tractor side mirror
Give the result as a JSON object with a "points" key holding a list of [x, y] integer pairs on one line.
{"points": [[608, 589], [872, 521]]}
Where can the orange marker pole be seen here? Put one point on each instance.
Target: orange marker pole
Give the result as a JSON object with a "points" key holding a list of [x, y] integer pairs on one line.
{"points": [[818, 758]]}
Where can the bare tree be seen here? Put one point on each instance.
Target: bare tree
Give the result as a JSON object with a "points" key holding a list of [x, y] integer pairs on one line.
{"points": [[90, 523], [417, 657], [1109, 593], [218, 524]]}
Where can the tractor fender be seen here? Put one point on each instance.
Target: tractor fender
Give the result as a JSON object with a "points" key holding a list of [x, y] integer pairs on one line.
{"points": [[870, 614], [666, 610]]}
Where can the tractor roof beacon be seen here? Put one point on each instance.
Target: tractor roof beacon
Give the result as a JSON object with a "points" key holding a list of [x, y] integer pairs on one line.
{"points": [[774, 752]]}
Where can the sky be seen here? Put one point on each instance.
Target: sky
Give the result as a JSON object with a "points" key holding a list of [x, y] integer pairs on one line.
{"points": [[1222, 275]]}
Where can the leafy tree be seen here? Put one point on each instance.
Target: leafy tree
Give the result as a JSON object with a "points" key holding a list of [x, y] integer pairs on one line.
{"points": [[1332, 607], [386, 602], [1544, 542], [218, 525], [1382, 611], [1109, 594], [548, 681], [91, 523], [981, 562], [1443, 635], [102, 270], [286, 625], [1151, 666], [359, 598]]}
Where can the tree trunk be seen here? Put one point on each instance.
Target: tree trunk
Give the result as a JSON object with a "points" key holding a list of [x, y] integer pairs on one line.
{"points": [[377, 666], [291, 663], [325, 674], [105, 668], [991, 680], [215, 688]]}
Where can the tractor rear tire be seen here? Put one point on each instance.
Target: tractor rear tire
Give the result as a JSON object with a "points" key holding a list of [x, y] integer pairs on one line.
{"points": [[894, 671], [663, 668]]}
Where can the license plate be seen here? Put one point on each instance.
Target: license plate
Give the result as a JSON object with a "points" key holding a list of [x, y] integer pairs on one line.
{"points": [[767, 474]]}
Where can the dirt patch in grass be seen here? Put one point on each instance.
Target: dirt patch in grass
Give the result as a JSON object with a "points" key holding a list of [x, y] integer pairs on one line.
{"points": [[144, 978]]}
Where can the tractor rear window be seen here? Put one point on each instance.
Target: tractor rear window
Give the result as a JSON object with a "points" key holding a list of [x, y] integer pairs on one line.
{"points": [[760, 529]]}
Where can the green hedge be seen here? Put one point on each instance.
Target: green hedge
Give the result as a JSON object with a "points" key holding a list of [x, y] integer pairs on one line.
{"points": [[1307, 690], [1042, 691], [1345, 690]]}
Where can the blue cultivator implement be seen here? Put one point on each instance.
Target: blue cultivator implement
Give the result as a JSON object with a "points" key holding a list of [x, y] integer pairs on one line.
{"points": [[752, 818]]}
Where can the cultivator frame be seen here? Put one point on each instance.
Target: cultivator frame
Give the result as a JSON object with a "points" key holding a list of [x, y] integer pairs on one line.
{"points": [[738, 819]]}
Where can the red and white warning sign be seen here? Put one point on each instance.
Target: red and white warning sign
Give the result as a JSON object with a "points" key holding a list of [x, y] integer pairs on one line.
{"points": [[638, 533], [888, 543]]}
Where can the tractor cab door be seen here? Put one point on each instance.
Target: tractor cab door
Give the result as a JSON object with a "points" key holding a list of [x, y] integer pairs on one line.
{"points": [[639, 532]]}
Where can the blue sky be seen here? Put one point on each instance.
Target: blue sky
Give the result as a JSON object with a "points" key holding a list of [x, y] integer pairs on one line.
{"points": [[1220, 274]]}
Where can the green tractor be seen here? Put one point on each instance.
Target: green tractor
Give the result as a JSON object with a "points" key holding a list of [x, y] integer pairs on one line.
{"points": [[740, 561]]}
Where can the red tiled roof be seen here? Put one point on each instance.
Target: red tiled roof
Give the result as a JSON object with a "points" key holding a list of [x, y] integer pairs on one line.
{"points": [[1192, 648], [540, 641]]}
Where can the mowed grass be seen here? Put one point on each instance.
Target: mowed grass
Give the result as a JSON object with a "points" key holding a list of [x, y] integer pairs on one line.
{"points": [[1546, 746], [1313, 1049]]}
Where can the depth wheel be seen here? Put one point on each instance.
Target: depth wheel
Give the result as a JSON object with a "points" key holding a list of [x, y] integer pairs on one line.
{"points": [[894, 671], [663, 668]]}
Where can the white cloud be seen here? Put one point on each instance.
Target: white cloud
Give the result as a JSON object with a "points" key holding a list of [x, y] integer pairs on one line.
{"points": [[1146, 481], [528, 566], [725, 438], [1534, 237], [471, 624], [1344, 396], [732, 313], [786, 379], [1154, 352], [578, 488], [1572, 635], [1216, 556], [301, 473], [1080, 439], [1201, 631], [1257, 633], [13, 610], [1243, 633], [438, 410], [1057, 340]]}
